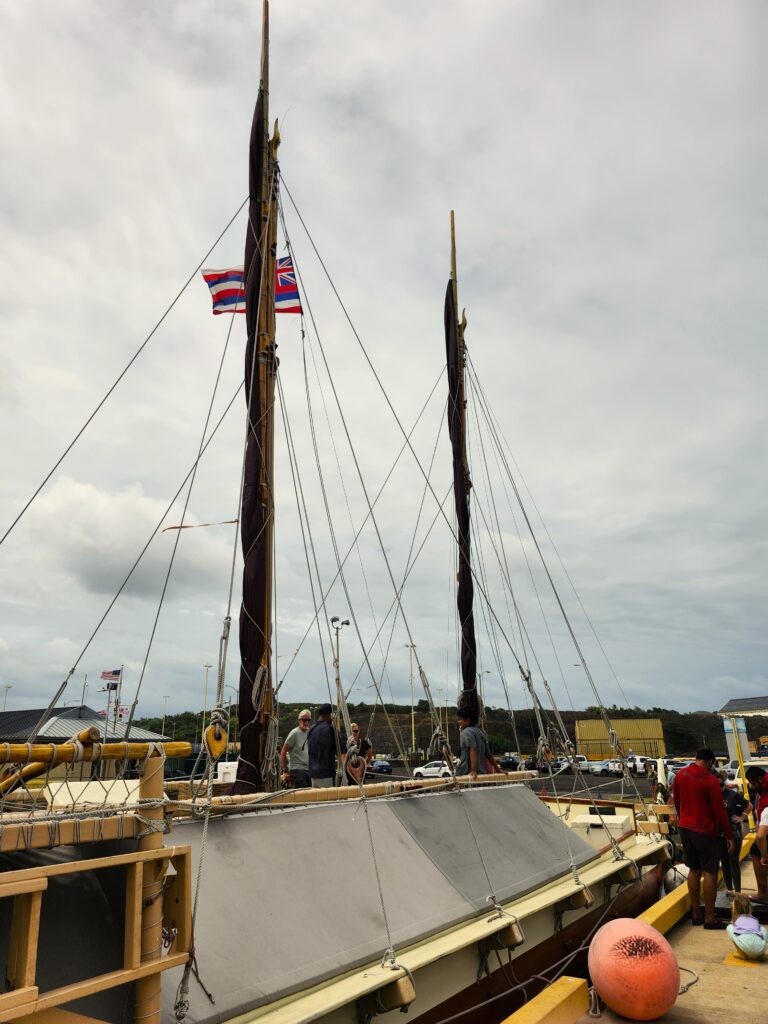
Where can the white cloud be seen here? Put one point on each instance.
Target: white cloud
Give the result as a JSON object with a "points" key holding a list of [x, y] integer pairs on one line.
{"points": [[606, 163]]}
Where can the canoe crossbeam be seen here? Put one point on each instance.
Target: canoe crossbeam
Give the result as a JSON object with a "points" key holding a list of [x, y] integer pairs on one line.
{"points": [[27, 888]]}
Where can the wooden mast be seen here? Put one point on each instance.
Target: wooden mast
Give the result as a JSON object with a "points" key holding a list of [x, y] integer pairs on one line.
{"points": [[462, 484], [256, 700], [460, 327], [267, 368]]}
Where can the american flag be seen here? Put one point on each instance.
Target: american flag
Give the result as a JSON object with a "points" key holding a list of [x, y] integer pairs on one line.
{"points": [[228, 292], [111, 674]]}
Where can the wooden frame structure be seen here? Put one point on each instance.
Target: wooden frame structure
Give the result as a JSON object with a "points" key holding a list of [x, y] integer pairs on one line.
{"points": [[152, 907]]}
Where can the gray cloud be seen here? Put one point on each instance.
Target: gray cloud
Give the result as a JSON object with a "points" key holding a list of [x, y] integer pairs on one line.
{"points": [[606, 163]]}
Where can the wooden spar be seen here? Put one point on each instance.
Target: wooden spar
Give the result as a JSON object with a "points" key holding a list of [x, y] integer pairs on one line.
{"points": [[37, 768], [338, 793], [462, 484], [461, 324], [267, 368], [58, 753], [148, 989]]}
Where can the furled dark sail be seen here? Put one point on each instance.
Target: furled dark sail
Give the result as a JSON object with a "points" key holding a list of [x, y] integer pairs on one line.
{"points": [[461, 488], [256, 512]]}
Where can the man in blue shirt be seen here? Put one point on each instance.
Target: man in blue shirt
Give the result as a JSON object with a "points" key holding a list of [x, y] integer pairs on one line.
{"points": [[322, 743]]}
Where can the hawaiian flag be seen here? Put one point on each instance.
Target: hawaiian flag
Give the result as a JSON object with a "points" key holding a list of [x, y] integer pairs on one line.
{"points": [[228, 293], [286, 291], [111, 674], [226, 290]]}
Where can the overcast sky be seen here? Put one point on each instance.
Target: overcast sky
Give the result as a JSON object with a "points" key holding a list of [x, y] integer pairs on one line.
{"points": [[606, 161]]}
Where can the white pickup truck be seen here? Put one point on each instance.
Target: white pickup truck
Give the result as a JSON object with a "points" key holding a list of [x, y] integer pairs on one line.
{"points": [[637, 765], [567, 765]]}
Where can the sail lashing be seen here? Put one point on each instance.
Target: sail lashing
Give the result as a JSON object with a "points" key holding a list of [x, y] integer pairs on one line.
{"points": [[462, 484]]}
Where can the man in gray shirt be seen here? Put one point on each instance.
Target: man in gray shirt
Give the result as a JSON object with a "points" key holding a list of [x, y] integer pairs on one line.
{"points": [[294, 756]]}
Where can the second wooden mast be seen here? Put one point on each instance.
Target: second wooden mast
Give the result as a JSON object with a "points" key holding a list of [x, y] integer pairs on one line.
{"points": [[462, 483]]}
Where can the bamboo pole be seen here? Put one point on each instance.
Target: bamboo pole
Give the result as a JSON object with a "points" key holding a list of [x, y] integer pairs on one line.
{"points": [[148, 989], [249, 802], [58, 753], [37, 768]]}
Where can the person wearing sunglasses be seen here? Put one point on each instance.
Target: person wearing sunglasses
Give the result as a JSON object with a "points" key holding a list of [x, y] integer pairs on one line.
{"points": [[355, 766], [294, 756]]}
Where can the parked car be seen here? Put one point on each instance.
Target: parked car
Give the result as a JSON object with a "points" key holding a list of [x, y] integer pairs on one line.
{"points": [[432, 770], [599, 768], [380, 767], [732, 767], [567, 765]]}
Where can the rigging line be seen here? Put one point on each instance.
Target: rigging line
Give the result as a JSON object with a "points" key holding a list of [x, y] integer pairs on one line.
{"points": [[62, 687], [507, 573], [393, 603], [474, 385], [182, 521], [329, 517], [562, 563], [251, 430], [250, 427], [521, 624], [365, 520], [507, 579], [289, 246], [407, 568], [353, 454], [489, 621], [396, 418], [406, 572], [349, 514], [546, 569], [123, 372], [301, 502], [550, 579]]}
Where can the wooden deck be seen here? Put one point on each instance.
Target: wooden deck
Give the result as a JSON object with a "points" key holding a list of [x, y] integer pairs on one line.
{"points": [[727, 986]]}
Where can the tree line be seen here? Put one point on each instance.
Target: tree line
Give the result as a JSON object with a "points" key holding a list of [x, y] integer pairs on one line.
{"points": [[684, 732]]}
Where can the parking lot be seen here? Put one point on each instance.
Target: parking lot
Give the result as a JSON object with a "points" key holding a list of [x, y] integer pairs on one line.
{"points": [[600, 787]]}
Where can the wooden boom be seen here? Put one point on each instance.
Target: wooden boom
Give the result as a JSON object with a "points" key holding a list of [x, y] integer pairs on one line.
{"points": [[58, 753]]}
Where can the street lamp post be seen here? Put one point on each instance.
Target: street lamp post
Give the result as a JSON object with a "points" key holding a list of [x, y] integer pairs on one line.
{"points": [[439, 691], [235, 702], [205, 700], [166, 698], [485, 672], [6, 687], [411, 647], [338, 626]]}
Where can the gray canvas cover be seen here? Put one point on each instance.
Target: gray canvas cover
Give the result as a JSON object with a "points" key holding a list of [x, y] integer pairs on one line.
{"points": [[290, 897]]}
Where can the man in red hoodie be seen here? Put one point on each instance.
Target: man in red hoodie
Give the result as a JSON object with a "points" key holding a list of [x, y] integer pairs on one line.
{"points": [[702, 818]]}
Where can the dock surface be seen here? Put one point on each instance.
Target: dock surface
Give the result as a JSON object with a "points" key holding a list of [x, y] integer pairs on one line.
{"points": [[727, 986]]}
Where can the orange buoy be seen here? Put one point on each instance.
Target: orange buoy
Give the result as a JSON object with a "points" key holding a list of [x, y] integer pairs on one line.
{"points": [[634, 969]]}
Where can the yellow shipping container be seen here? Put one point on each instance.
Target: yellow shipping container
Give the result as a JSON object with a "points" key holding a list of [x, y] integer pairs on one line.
{"points": [[643, 736]]}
